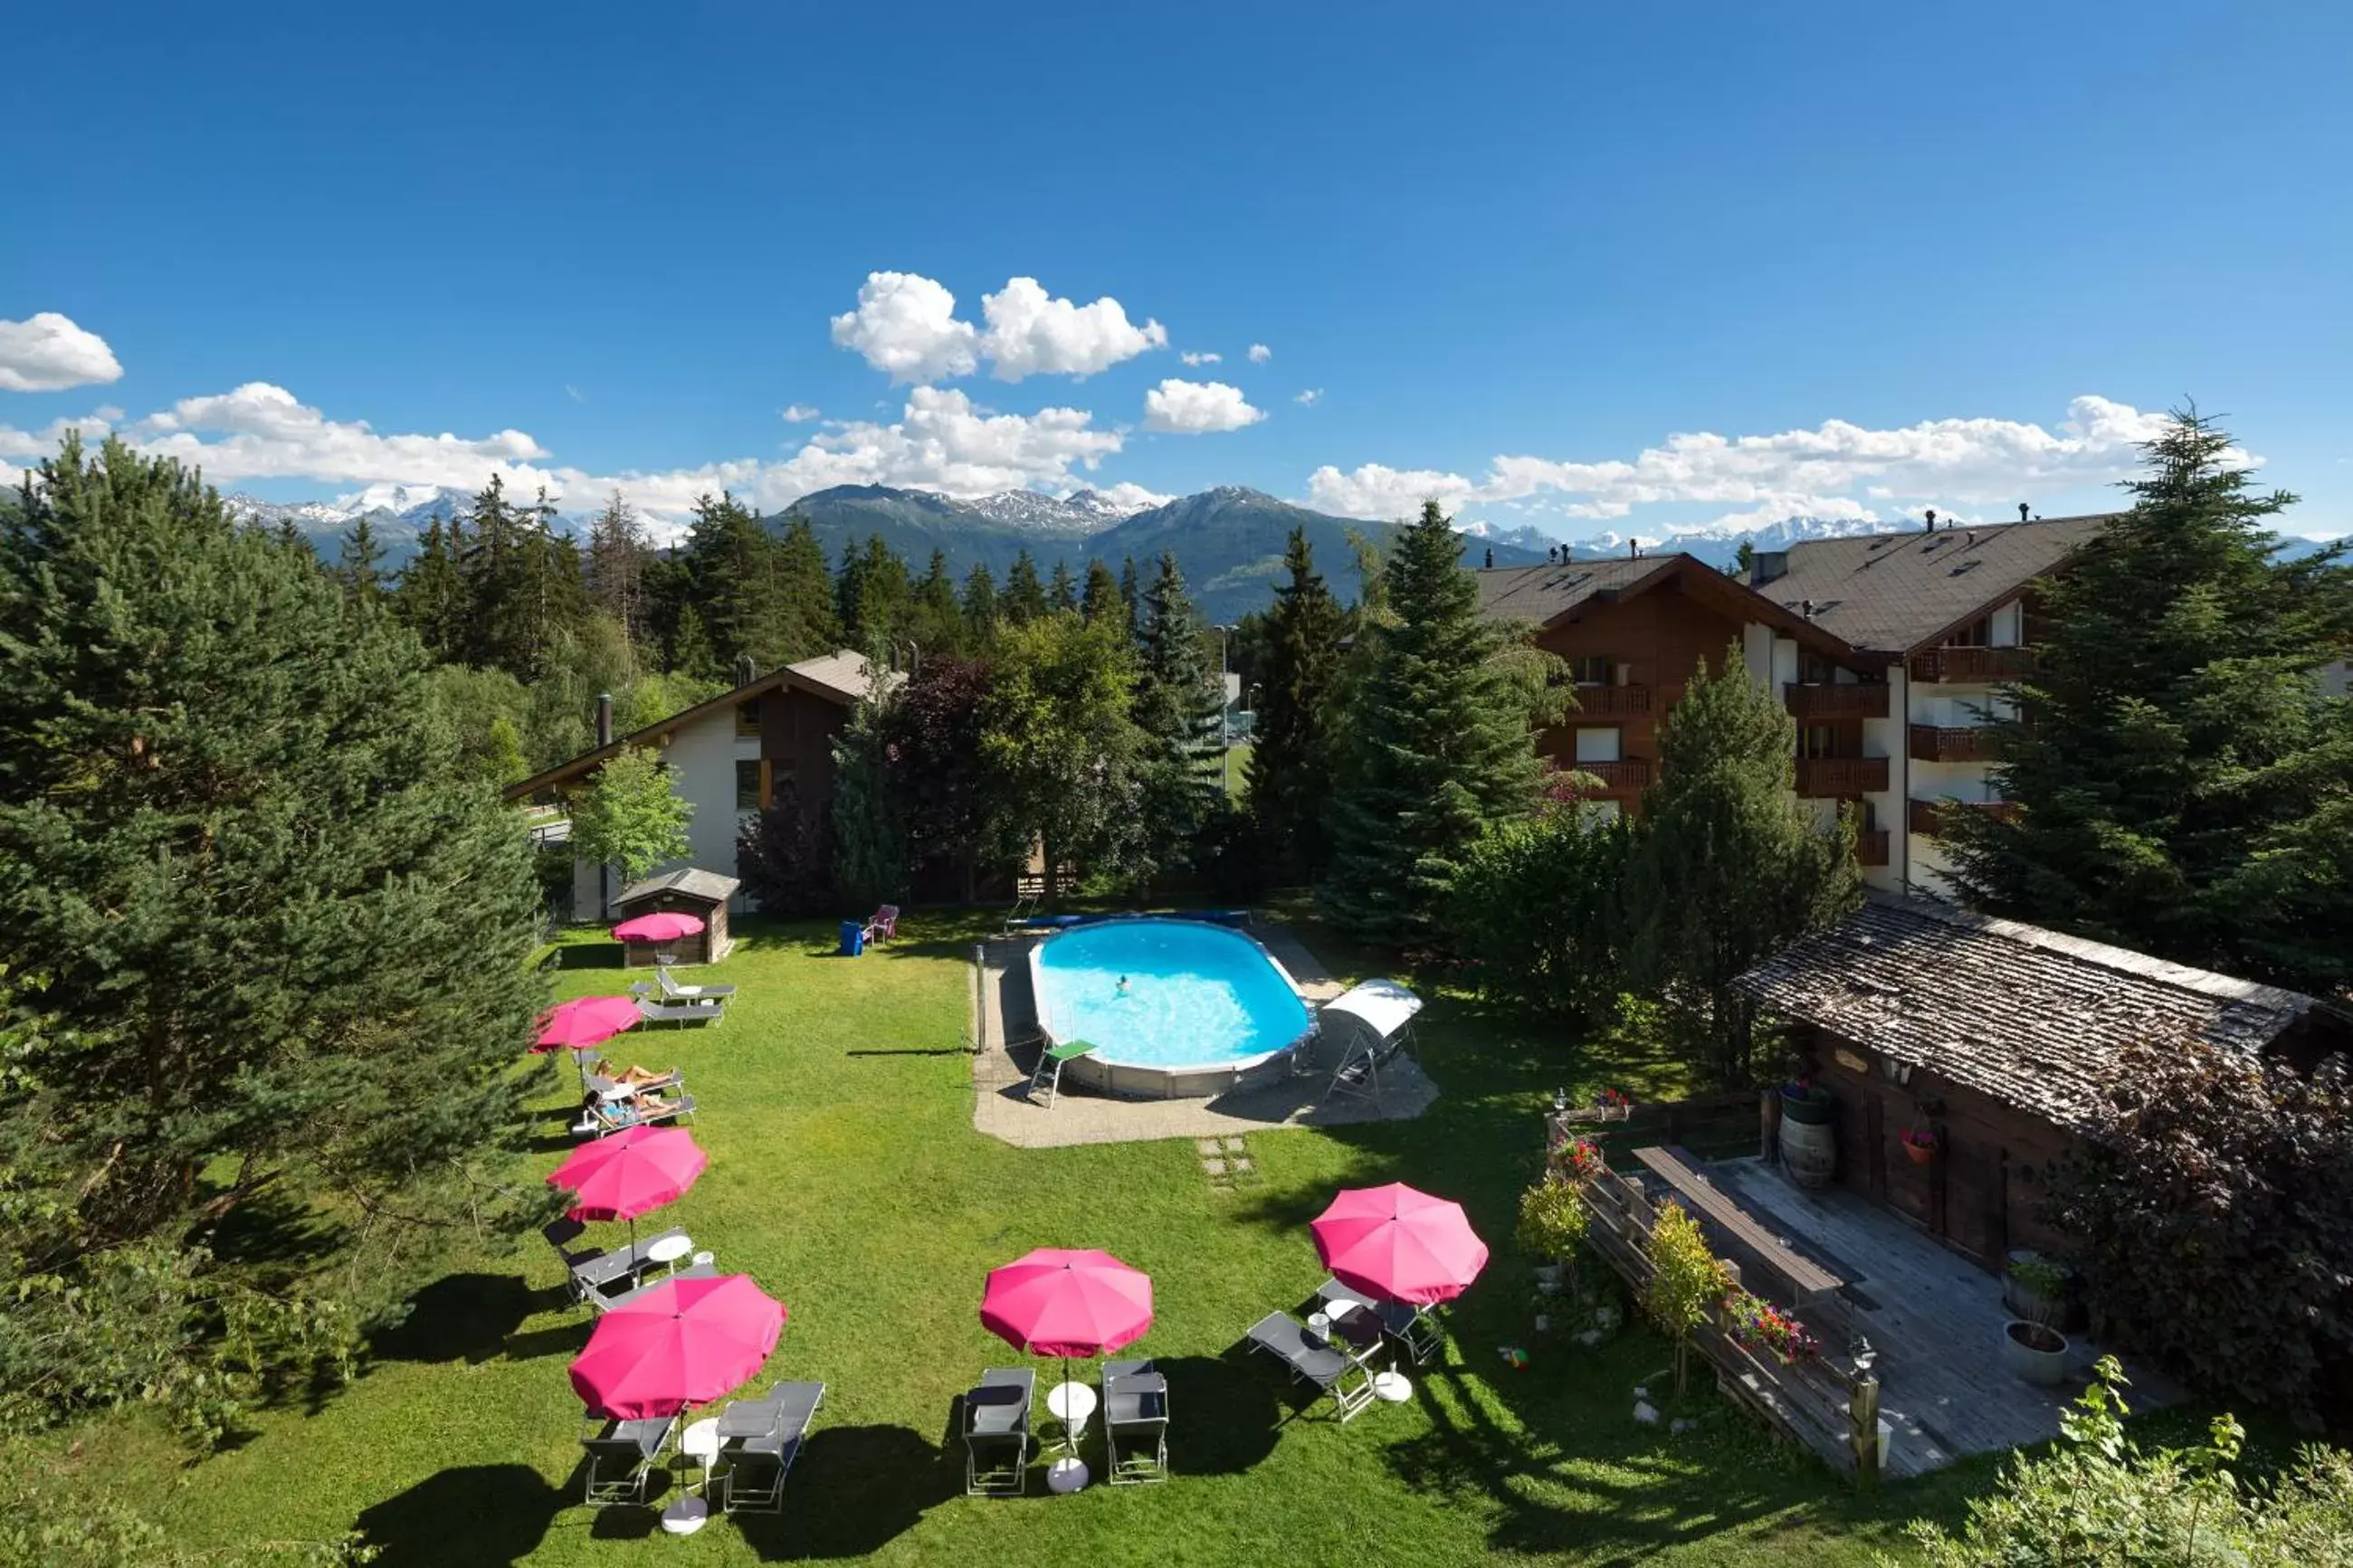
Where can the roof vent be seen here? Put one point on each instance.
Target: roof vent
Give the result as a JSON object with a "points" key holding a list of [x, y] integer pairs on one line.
{"points": [[1765, 565], [1932, 519], [1806, 608], [2021, 511]]}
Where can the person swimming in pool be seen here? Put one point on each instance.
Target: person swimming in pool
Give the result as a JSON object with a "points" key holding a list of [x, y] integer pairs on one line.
{"points": [[1122, 989]]}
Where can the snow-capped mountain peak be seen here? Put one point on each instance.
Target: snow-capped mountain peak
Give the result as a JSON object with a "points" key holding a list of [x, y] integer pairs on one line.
{"points": [[1085, 511], [399, 498]]}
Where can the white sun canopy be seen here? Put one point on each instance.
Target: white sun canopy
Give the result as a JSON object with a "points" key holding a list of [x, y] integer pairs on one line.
{"points": [[1383, 1006]]}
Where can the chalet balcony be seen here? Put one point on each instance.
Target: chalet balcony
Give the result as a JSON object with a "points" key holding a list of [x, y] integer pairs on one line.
{"points": [[1950, 744], [1845, 699], [1925, 815], [1612, 702], [1871, 846], [1824, 778], [1971, 666], [1630, 776]]}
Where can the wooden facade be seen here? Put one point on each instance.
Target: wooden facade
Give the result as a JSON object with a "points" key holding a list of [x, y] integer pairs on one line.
{"points": [[797, 731]]}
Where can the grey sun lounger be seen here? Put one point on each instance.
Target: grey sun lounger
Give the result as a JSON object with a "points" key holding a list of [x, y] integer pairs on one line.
{"points": [[654, 1012], [758, 1441], [1286, 1339], [596, 1273], [620, 1454], [1415, 1328], [996, 1432], [620, 1115], [672, 991], [692, 1271], [1136, 1422]]}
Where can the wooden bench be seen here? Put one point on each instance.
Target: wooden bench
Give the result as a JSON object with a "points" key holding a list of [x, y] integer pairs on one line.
{"points": [[1811, 1283]]}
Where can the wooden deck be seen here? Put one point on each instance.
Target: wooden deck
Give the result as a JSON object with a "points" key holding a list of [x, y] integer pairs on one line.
{"points": [[1934, 1319]]}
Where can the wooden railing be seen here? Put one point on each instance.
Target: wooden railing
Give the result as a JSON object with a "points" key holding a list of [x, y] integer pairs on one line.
{"points": [[1612, 702], [1870, 846], [1836, 699], [1712, 1125], [1963, 666], [1951, 743], [1829, 1407], [1630, 776], [1820, 778]]}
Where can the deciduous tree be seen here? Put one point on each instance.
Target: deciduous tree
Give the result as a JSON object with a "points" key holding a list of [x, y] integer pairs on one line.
{"points": [[630, 817], [1060, 747]]}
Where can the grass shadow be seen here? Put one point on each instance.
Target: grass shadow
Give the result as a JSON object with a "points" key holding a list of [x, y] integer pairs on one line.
{"points": [[588, 955], [480, 1516], [853, 1491], [459, 1317], [1226, 1413]]}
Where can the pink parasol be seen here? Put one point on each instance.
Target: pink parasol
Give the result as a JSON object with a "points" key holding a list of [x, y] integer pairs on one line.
{"points": [[1060, 1302], [586, 1021], [682, 1343], [629, 1174], [664, 925], [1398, 1245]]}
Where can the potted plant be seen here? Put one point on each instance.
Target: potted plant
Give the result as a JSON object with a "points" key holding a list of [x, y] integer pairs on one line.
{"points": [[1803, 1102], [1760, 1325], [1920, 1144], [2032, 1343]]}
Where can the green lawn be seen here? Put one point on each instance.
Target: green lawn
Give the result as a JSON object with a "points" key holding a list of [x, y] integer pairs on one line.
{"points": [[845, 1176]]}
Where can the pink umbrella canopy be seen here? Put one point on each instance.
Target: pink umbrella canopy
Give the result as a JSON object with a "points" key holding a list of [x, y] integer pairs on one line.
{"points": [[1398, 1245], [1059, 1301], [682, 1343], [586, 1021], [630, 1173], [664, 925]]}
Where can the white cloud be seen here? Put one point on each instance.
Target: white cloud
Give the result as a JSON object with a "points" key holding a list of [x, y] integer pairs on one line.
{"points": [[1197, 407], [1130, 496], [1310, 395], [575, 394], [906, 326], [800, 413], [944, 441], [1965, 461], [1031, 333], [49, 353], [1195, 357], [1260, 353]]}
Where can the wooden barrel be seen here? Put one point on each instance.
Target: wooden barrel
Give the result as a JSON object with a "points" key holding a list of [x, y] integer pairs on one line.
{"points": [[1809, 1152]]}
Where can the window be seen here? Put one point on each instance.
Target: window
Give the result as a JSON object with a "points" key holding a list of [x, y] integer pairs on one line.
{"points": [[1590, 669], [1814, 670], [1597, 745], [1818, 741], [747, 785], [747, 718], [1976, 634]]}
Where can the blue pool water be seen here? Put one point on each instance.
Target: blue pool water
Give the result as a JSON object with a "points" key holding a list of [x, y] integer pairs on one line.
{"points": [[1196, 995]]}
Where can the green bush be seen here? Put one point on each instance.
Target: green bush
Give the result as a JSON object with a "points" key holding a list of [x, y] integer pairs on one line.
{"points": [[1537, 909]]}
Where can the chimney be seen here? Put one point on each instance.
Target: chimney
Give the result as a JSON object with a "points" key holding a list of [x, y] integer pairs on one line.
{"points": [[1806, 608], [604, 717], [1491, 559], [1932, 519], [1767, 565], [2021, 511], [1634, 550]]}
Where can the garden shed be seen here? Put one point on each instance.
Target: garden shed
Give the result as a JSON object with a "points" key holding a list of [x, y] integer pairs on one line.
{"points": [[1987, 1042], [685, 891]]}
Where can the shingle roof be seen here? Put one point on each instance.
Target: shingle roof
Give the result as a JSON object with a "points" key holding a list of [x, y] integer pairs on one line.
{"points": [[1540, 593], [1891, 593], [843, 672], [2032, 1018], [709, 886]]}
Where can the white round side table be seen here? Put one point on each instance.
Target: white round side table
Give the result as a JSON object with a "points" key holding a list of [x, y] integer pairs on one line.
{"points": [[668, 1249]]}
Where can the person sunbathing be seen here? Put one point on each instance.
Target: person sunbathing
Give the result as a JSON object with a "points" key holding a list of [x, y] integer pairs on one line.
{"points": [[632, 1076]]}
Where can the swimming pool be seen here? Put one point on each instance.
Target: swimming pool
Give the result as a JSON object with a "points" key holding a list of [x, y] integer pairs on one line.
{"points": [[1173, 1008]]}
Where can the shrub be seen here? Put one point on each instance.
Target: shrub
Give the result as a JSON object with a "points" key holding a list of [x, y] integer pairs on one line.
{"points": [[781, 856], [2098, 1499], [1536, 907], [1553, 1220], [2215, 1205], [1686, 1281]]}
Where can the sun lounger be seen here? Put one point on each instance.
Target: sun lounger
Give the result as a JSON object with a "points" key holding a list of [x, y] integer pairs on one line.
{"points": [[599, 1087], [996, 1432], [1051, 1060], [1328, 1367], [680, 1011], [597, 1277], [620, 1455], [619, 1115], [672, 991], [1415, 1328], [758, 1441], [692, 1271], [1136, 1422]]}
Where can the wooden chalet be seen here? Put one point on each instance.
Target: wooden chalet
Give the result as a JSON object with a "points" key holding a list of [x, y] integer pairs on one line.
{"points": [[1993, 1039]]}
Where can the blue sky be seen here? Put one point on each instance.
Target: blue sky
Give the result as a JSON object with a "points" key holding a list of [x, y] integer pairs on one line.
{"points": [[1861, 258]]}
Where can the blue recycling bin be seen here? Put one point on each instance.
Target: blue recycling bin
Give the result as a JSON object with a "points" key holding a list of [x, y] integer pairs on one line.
{"points": [[853, 938]]}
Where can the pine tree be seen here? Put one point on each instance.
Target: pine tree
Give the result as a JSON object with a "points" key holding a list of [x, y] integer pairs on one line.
{"points": [[690, 653], [493, 633], [359, 568], [937, 618], [1729, 866], [269, 905], [730, 569], [1102, 599], [1063, 592], [804, 595], [1179, 708], [1130, 594], [870, 834], [1290, 767], [874, 595], [618, 552], [1441, 745], [2183, 788], [980, 608], [1024, 598], [431, 597]]}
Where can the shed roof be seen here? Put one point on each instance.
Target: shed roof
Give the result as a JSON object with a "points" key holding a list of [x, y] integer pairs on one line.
{"points": [[707, 885], [2032, 1018], [1893, 592], [840, 676]]}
